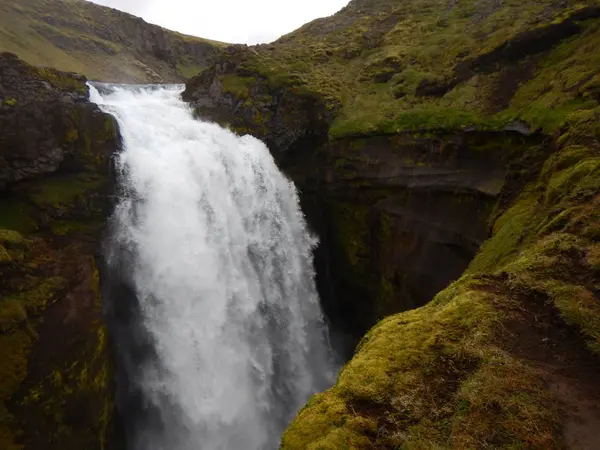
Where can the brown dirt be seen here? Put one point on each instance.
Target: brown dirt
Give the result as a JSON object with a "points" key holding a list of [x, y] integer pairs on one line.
{"points": [[538, 335]]}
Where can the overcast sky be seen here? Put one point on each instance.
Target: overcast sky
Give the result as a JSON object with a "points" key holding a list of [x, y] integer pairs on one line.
{"points": [[233, 21]]}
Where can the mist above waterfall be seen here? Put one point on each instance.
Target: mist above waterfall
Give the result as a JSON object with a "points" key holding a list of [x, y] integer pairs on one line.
{"points": [[224, 338]]}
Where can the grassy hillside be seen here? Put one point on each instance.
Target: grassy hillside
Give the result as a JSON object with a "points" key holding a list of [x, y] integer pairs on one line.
{"points": [[390, 66], [99, 42]]}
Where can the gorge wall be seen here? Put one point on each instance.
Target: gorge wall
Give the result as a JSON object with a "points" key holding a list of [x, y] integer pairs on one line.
{"points": [[55, 185]]}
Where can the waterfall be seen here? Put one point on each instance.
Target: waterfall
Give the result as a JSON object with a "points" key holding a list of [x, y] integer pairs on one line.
{"points": [[224, 338]]}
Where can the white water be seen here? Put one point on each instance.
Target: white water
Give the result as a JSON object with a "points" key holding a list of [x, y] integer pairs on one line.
{"points": [[222, 270]]}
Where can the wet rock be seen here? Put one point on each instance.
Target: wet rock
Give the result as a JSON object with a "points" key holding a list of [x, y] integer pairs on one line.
{"points": [[55, 185]]}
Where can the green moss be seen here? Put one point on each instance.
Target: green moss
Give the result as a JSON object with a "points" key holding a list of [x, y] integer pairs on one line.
{"points": [[5, 257], [581, 179], [72, 136], [63, 81], [17, 215], [425, 375], [189, 69], [62, 191], [10, 102], [239, 86], [510, 230], [18, 313], [11, 238]]}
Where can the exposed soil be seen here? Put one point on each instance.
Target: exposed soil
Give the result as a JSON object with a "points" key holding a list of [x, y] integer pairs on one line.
{"points": [[541, 337]]}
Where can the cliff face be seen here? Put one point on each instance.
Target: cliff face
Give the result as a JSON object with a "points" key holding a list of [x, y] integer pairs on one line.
{"points": [[101, 43], [444, 148], [55, 149]]}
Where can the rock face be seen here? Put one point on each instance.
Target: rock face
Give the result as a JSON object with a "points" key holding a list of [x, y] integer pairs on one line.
{"points": [[401, 216], [39, 119], [55, 151], [447, 156], [279, 111], [100, 42]]}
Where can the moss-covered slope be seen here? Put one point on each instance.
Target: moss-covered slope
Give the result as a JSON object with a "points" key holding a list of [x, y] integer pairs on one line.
{"points": [[392, 66], [55, 371], [99, 42], [506, 357]]}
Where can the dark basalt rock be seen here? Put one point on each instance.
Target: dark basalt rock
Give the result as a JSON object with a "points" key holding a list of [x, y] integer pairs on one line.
{"points": [[42, 114], [55, 192]]}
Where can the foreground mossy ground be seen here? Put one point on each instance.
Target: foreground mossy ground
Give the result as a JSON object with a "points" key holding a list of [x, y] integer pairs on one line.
{"points": [[474, 368]]}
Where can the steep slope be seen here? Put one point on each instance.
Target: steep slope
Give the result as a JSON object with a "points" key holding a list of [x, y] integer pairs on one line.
{"points": [[99, 42], [416, 130], [55, 370]]}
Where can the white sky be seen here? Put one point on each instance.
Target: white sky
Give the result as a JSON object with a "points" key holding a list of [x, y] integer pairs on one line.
{"points": [[233, 21]]}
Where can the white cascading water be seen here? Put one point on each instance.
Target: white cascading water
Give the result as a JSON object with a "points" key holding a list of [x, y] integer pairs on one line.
{"points": [[223, 276]]}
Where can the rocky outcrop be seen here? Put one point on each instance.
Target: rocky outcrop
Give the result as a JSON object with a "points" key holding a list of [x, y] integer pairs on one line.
{"points": [[55, 153], [401, 216], [100, 42], [282, 112], [41, 112], [506, 355]]}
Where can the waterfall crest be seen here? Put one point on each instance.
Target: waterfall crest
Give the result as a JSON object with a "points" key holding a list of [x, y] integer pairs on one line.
{"points": [[209, 238]]}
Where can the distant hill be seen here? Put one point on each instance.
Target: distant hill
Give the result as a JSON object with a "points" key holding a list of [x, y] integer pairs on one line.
{"points": [[99, 42]]}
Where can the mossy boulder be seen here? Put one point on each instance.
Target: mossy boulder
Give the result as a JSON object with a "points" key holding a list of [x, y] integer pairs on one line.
{"points": [[238, 93]]}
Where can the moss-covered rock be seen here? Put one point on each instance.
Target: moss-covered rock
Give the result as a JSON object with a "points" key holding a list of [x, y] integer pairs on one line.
{"points": [[55, 377], [52, 125]]}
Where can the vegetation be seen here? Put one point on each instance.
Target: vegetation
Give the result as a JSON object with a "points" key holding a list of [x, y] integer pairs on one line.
{"points": [[389, 67], [462, 372], [477, 367], [99, 42], [55, 374]]}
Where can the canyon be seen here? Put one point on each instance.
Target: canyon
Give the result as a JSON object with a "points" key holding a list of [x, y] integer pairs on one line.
{"points": [[446, 155]]}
